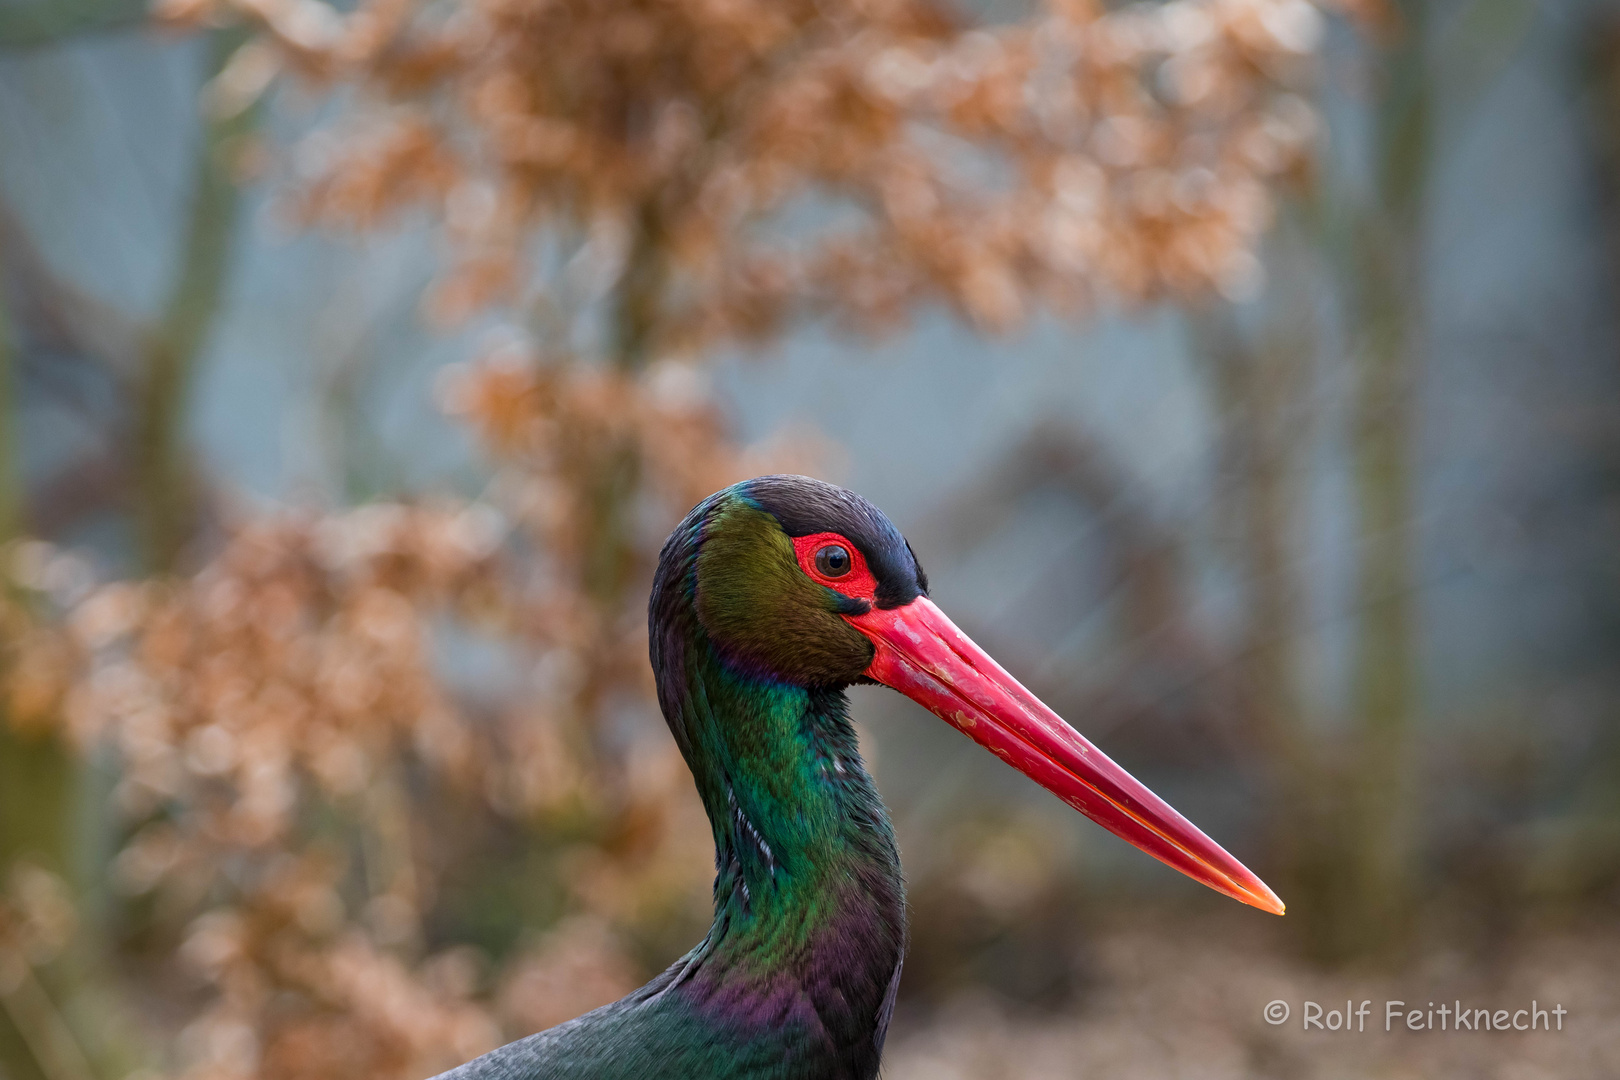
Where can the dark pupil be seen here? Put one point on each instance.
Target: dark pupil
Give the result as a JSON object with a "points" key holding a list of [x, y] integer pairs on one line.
{"points": [[833, 561]]}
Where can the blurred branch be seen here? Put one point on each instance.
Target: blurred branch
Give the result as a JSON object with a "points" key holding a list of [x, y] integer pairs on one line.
{"points": [[65, 342], [55, 1049], [1257, 388], [11, 484], [84, 486], [1158, 643], [51, 314], [1596, 858], [1058, 454], [639, 297], [1386, 305], [166, 507]]}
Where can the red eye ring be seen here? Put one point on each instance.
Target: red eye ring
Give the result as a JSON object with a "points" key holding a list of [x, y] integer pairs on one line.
{"points": [[856, 581]]}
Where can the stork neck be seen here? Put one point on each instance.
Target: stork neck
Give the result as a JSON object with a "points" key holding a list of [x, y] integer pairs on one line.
{"points": [[789, 799], [809, 903]]}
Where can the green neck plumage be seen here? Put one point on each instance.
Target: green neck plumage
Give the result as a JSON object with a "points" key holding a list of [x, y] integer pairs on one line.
{"points": [[795, 816]]}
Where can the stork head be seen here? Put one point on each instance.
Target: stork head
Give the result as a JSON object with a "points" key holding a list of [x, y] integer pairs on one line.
{"points": [[800, 582]]}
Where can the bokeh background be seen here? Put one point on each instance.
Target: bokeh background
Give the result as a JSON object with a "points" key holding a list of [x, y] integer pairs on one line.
{"points": [[1246, 373]]}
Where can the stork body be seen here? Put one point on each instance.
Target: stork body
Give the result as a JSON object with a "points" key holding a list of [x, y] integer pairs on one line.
{"points": [[771, 597]]}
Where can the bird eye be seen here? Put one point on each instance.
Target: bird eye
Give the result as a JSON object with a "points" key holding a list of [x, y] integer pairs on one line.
{"points": [[833, 561]]}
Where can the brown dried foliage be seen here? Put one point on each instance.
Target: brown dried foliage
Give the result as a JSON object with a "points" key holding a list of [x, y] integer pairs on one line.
{"points": [[758, 160]]}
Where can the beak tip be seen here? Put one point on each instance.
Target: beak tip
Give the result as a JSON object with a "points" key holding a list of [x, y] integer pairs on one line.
{"points": [[1269, 901]]}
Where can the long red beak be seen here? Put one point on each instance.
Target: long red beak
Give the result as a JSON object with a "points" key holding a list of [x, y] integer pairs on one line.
{"points": [[923, 655]]}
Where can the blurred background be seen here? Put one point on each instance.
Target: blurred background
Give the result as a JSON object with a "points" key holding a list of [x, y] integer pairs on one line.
{"points": [[1246, 374]]}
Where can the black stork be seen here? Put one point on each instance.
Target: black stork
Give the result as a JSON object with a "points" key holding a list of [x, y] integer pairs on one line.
{"points": [[771, 598]]}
